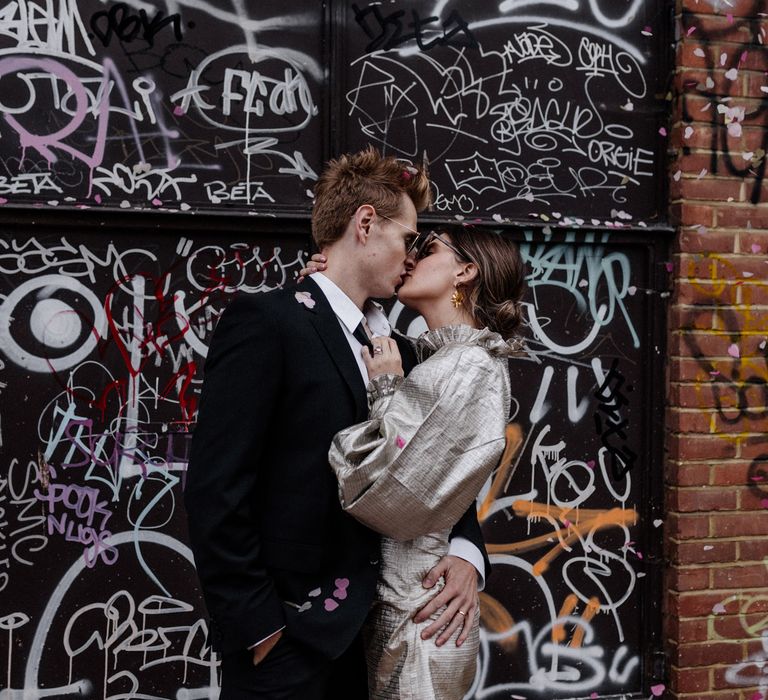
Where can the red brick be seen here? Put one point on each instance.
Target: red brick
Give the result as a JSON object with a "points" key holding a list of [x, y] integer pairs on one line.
{"points": [[694, 241], [705, 396], [734, 473], [753, 550], [699, 447], [752, 498], [687, 214], [744, 576], [688, 474], [682, 526], [716, 344], [688, 579], [742, 217], [711, 188], [687, 630], [690, 421], [754, 447], [739, 524], [708, 653], [703, 499], [735, 8], [693, 318], [706, 293], [702, 552], [751, 237], [685, 369], [690, 680]]}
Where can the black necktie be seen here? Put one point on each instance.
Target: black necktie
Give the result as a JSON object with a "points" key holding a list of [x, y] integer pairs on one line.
{"points": [[362, 336]]}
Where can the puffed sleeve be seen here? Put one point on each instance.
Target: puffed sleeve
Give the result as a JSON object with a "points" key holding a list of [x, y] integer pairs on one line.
{"points": [[429, 445]]}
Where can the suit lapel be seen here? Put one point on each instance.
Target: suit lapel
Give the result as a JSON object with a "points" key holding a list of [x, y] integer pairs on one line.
{"points": [[329, 329]]}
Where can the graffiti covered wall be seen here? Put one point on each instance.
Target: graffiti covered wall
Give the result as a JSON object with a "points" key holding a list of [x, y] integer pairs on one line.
{"points": [[543, 113]]}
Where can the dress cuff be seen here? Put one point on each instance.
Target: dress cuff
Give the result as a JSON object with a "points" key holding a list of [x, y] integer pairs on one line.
{"points": [[382, 386]]}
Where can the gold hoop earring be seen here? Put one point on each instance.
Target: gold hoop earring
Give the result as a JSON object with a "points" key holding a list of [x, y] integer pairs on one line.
{"points": [[457, 298]]}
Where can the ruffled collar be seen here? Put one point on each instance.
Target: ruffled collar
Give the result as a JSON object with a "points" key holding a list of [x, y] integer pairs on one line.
{"points": [[430, 342]]}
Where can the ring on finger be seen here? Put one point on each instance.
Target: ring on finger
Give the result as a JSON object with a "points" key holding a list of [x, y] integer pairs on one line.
{"points": [[377, 350], [462, 613]]}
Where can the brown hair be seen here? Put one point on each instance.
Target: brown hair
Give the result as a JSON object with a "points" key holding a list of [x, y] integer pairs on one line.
{"points": [[493, 297], [366, 177]]}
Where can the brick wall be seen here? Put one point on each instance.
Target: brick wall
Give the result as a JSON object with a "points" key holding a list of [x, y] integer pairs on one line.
{"points": [[717, 415]]}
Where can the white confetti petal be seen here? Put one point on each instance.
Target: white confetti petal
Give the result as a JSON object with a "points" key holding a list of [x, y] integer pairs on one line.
{"points": [[732, 74]]}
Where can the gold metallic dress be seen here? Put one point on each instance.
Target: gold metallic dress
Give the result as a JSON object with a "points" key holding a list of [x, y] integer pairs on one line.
{"points": [[410, 472]]}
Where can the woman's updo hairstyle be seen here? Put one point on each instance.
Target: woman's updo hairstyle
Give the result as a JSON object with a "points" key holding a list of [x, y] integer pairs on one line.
{"points": [[493, 297]]}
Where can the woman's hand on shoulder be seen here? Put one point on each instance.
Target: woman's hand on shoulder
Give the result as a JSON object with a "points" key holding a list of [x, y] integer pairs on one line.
{"points": [[317, 263], [386, 360]]}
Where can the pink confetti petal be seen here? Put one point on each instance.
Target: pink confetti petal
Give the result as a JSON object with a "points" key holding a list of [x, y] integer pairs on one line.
{"points": [[178, 110], [400, 442], [97, 198], [3, 200], [342, 583], [305, 298], [756, 248], [733, 350], [756, 696], [330, 604], [157, 202], [690, 31], [663, 131], [718, 608], [591, 464], [657, 690], [669, 266]]}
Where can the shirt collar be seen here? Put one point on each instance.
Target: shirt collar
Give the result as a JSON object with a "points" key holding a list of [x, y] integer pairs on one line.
{"points": [[346, 310]]}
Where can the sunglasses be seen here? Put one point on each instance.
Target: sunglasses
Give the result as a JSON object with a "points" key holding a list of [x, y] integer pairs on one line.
{"points": [[419, 245]]}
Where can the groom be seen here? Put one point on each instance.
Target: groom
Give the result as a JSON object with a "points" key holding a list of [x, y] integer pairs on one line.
{"points": [[287, 576]]}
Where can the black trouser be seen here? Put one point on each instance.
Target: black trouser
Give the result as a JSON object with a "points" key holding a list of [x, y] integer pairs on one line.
{"points": [[292, 671]]}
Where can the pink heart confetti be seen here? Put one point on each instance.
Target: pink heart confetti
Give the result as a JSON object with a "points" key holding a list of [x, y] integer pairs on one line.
{"points": [[591, 464], [97, 198], [663, 131], [400, 442], [157, 202], [305, 298], [718, 608], [733, 350], [330, 604], [340, 593], [657, 690], [756, 248], [178, 110], [342, 583], [669, 266], [3, 200]]}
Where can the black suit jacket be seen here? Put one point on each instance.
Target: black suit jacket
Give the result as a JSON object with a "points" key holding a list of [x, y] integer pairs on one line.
{"points": [[271, 543]]}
